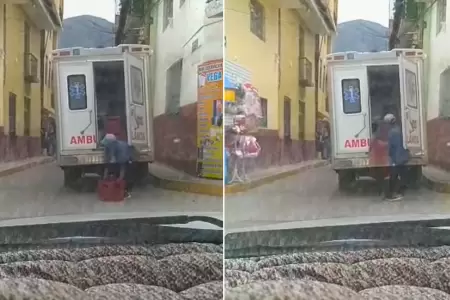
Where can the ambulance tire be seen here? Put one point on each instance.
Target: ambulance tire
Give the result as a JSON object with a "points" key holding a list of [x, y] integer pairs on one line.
{"points": [[72, 176], [346, 179], [415, 177]]}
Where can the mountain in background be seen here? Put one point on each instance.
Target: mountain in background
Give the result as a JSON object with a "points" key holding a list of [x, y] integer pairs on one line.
{"points": [[86, 31], [361, 36], [91, 32]]}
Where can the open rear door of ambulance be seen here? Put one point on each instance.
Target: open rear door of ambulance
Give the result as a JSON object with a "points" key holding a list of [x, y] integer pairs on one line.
{"points": [[136, 102], [77, 106], [411, 107], [351, 111]]}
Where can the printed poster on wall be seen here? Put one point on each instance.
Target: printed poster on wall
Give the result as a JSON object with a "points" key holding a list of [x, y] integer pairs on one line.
{"points": [[210, 119]]}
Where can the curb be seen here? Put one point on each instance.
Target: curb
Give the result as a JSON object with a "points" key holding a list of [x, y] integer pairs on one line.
{"points": [[188, 187], [218, 191], [436, 186], [24, 167], [242, 187]]}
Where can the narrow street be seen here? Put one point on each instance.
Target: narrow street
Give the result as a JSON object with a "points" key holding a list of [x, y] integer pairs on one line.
{"points": [[314, 194], [39, 192]]}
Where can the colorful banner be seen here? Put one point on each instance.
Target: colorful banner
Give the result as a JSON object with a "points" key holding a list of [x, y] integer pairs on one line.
{"points": [[210, 119]]}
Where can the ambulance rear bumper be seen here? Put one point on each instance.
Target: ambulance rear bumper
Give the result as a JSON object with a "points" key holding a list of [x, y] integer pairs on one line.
{"points": [[68, 160], [363, 163]]}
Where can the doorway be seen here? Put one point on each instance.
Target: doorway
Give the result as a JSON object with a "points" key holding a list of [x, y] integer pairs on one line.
{"points": [[384, 92]]}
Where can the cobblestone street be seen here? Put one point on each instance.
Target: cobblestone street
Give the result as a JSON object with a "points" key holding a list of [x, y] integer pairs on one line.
{"points": [[314, 194], [39, 191]]}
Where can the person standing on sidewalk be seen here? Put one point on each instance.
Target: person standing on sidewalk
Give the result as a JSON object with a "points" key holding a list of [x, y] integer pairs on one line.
{"points": [[326, 143], [398, 157]]}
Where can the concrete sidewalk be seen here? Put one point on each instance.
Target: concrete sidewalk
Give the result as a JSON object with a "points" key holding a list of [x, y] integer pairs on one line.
{"points": [[269, 175], [171, 179], [436, 179], [9, 168]]}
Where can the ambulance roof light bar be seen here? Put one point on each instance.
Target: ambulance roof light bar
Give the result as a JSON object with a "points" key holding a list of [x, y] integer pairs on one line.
{"points": [[353, 55], [80, 51]]}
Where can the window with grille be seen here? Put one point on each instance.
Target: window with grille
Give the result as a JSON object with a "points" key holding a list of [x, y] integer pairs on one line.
{"points": [[167, 13], [264, 111], [441, 17], [257, 19], [173, 87]]}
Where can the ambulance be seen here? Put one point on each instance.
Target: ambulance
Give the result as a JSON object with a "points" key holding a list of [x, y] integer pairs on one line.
{"points": [[363, 88], [99, 91]]}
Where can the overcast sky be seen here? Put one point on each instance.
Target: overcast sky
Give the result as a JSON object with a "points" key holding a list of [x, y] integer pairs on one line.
{"points": [[373, 10], [102, 8]]}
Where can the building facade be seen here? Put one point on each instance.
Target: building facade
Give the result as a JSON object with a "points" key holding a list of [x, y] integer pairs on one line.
{"points": [[184, 34], [424, 26], [24, 86], [275, 46]]}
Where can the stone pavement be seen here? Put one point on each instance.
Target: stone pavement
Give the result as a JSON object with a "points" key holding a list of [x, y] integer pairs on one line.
{"points": [[314, 194], [437, 179], [265, 176], [171, 179], [8, 168], [39, 192]]}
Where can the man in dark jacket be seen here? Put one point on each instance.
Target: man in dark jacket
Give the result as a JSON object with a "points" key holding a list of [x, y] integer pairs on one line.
{"points": [[398, 157]]}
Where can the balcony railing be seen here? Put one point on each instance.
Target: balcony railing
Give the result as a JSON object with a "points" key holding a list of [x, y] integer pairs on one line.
{"points": [[305, 72], [31, 68], [13, 1], [214, 9]]}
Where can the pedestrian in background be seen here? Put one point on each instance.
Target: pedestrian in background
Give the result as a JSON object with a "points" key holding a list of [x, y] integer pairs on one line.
{"points": [[326, 142]]}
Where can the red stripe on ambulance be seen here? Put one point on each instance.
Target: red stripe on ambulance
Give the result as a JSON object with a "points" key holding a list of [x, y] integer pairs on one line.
{"points": [[357, 143], [83, 140]]}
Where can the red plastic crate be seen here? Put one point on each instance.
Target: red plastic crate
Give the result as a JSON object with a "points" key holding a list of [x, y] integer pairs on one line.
{"points": [[111, 190]]}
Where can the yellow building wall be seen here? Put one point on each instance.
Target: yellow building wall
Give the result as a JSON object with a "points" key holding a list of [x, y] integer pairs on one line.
{"points": [[326, 49], [51, 44], [2, 63], [322, 82], [289, 83], [247, 50], [14, 70], [265, 61], [310, 107]]}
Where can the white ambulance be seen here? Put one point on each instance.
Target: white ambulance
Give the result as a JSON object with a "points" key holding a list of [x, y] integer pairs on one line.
{"points": [[97, 88], [363, 88]]}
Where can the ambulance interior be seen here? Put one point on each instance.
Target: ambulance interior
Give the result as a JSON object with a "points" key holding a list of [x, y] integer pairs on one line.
{"points": [[110, 97], [384, 92]]}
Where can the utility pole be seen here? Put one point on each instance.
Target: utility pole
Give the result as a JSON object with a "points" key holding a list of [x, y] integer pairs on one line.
{"points": [[399, 7], [125, 9]]}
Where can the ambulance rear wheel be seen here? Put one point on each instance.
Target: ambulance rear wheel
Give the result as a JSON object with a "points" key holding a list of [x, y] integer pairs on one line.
{"points": [[346, 179], [72, 176]]}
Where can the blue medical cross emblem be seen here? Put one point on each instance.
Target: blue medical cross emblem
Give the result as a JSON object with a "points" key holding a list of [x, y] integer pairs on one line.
{"points": [[351, 94]]}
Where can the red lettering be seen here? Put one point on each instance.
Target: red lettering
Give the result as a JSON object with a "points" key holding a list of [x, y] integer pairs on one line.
{"points": [[356, 143], [82, 139]]}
